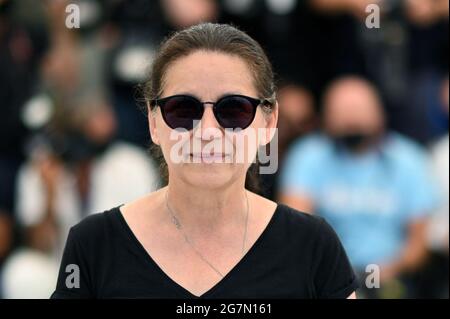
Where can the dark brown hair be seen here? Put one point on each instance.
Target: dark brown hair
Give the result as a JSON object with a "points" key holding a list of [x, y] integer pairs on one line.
{"points": [[222, 38]]}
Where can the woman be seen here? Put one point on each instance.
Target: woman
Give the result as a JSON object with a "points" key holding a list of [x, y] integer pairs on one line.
{"points": [[206, 234]]}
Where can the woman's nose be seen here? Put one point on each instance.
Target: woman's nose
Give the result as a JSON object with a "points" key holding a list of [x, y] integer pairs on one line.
{"points": [[208, 127]]}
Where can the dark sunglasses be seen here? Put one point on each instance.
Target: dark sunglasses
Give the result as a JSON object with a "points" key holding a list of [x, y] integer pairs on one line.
{"points": [[231, 111]]}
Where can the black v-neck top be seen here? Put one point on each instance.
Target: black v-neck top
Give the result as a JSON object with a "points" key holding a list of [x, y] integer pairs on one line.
{"points": [[296, 256]]}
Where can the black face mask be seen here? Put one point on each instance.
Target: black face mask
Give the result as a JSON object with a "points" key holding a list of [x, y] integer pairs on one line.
{"points": [[354, 141], [81, 148]]}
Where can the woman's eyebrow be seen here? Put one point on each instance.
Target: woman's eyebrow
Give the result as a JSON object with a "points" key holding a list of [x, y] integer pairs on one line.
{"points": [[188, 94], [229, 93]]}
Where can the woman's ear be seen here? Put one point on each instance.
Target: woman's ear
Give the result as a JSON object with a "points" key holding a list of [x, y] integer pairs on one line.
{"points": [[152, 125]]}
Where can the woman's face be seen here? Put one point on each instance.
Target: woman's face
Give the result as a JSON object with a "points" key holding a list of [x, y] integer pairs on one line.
{"points": [[210, 156]]}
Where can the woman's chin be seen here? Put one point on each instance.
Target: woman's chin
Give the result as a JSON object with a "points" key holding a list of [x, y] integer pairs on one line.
{"points": [[208, 177]]}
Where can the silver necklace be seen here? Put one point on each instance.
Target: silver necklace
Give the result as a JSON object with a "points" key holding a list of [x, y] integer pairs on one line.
{"points": [[177, 224]]}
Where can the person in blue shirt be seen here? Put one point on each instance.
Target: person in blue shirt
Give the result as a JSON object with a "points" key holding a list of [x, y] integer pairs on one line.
{"points": [[372, 185]]}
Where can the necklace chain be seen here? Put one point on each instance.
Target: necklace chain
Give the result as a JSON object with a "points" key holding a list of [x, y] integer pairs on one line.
{"points": [[178, 225]]}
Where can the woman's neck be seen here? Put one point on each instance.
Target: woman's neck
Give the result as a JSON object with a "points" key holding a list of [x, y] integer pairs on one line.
{"points": [[203, 209]]}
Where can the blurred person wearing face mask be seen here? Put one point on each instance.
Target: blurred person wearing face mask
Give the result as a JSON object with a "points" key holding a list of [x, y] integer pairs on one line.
{"points": [[59, 185], [371, 184], [353, 117], [74, 177]]}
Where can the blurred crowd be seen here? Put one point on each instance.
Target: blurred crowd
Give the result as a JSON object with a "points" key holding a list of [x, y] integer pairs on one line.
{"points": [[363, 125]]}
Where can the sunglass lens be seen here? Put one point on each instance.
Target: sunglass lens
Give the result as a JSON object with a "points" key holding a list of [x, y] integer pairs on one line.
{"points": [[235, 112], [182, 111]]}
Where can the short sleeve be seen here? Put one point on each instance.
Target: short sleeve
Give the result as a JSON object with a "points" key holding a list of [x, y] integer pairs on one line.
{"points": [[300, 172], [332, 274], [73, 279]]}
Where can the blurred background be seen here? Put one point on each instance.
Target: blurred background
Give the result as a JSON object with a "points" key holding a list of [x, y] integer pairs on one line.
{"points": [[363, 126]]}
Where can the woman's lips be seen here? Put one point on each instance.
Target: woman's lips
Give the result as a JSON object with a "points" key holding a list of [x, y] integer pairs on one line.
{"points": [[209, 156]]}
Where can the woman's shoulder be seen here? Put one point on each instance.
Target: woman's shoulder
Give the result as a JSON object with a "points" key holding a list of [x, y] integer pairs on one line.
{"points": [[286, 216], [96, 221], [305, 228], [95, 227], [297, 218]]}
